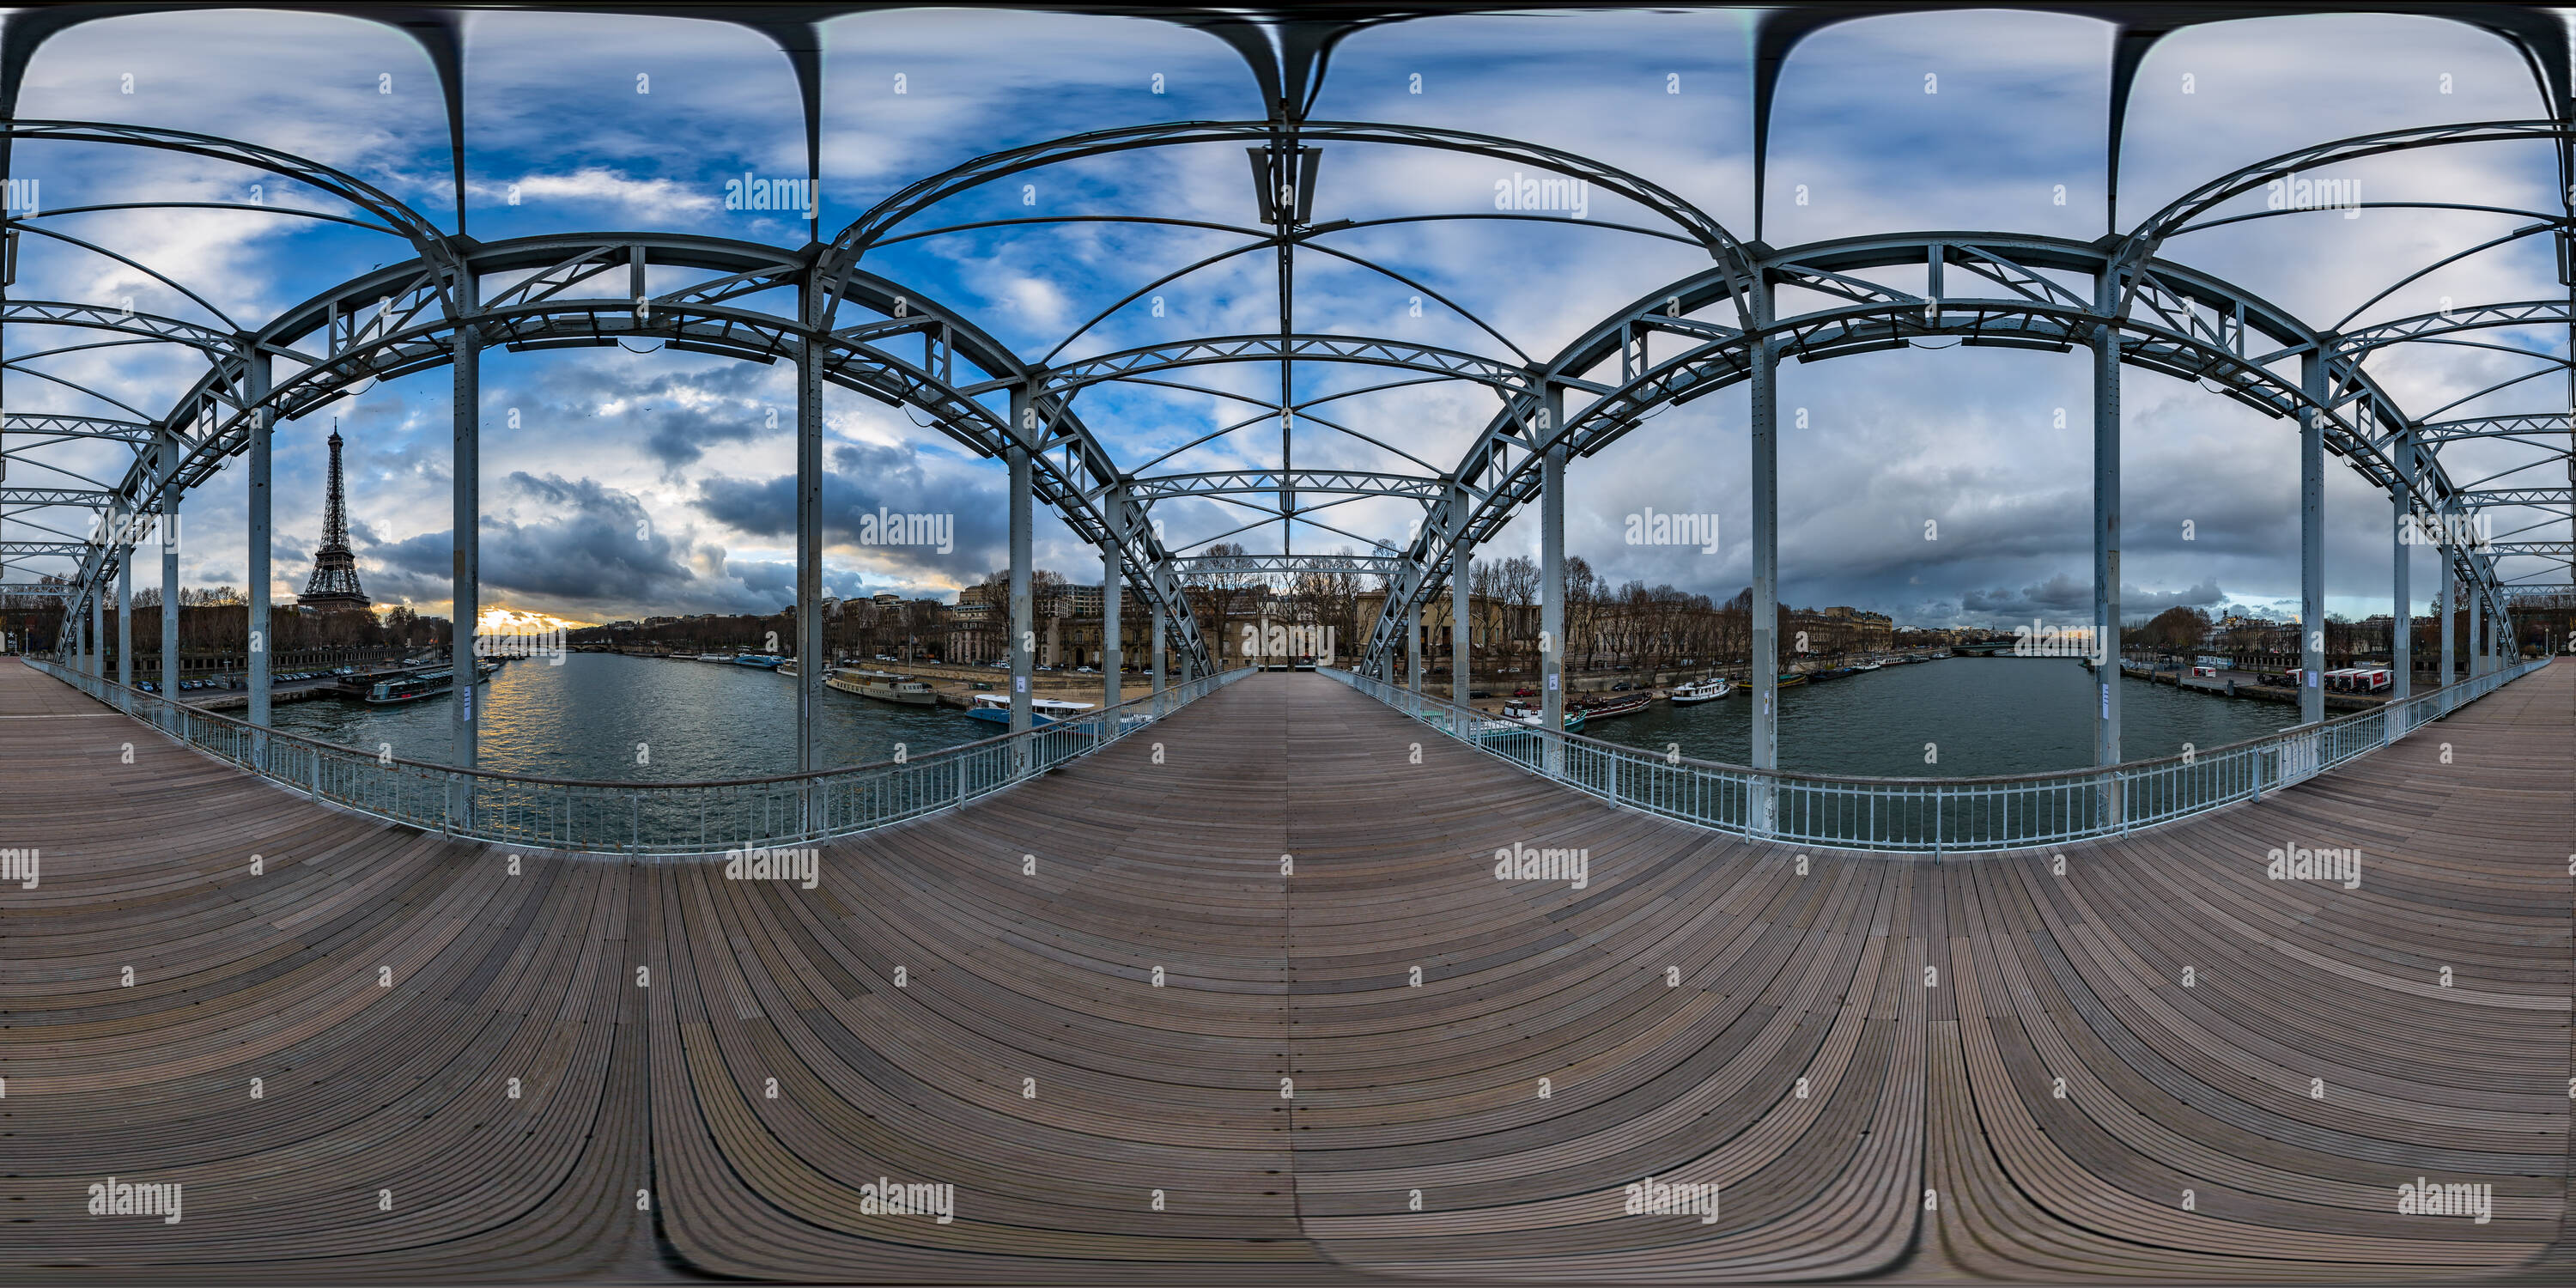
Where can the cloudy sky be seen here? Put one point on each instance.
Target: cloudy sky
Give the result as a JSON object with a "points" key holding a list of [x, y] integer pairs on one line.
{"points": [[619, 483]]}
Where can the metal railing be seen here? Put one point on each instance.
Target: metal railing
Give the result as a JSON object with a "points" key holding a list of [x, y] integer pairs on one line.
{"points": [[641, 817], [1936, 815]]}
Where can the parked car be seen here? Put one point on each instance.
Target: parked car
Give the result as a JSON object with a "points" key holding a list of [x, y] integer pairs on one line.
{"points": [[1524, 692], [1622, 687]]}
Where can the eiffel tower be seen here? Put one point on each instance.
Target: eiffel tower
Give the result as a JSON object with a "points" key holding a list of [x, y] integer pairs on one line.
{"points": [[334, 588]]}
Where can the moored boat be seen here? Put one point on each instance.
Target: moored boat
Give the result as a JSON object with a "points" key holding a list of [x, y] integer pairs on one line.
{"points": [[886, 686], [1698, 691], [765, 661], [996, 707], [413, 686], [715, 657], [1529, 712], [1788, 678], [1625, 704]]}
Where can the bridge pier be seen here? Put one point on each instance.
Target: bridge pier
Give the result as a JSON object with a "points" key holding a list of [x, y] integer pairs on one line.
{"points": [[1459, 588], [1413, 650], [96, 659], [466, 491], [2442, 611], [1110, 607], [1023, 609], [1764, 421], [1158, 649], [2312, 542], [169, 531], [2106, 531], [125, 616], [810, 662], [2401, 617], [1551, 578], [257, 500]]}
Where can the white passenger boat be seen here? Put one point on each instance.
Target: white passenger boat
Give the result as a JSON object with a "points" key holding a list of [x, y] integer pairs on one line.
{"points": [[996, 707], [1698, 691], [886, 686]]}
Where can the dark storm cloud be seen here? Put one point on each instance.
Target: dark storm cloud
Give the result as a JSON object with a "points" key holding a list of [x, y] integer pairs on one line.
{"points": [[862, 478]]}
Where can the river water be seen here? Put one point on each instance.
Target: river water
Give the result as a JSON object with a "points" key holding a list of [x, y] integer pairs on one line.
{"points": [[697, 720], [2004, 715], [604, 716]]}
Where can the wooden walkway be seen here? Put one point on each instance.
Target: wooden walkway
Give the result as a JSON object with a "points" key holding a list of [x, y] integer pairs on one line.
{"points": [[1984, 1069]]}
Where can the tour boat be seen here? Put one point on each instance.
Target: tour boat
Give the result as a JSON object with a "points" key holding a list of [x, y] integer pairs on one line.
{"points": [[1698, 691], [996, 707], [1870, 666], [886, 686], [416, 685], [1787, 678], [1625, 704], [1529, 712], [715, 657], [766, 661]]}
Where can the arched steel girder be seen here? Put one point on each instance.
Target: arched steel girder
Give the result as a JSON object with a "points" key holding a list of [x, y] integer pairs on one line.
{"points": [[382, 325], [427, 241], [2142, 243], [847, 247], [2187, 324]]}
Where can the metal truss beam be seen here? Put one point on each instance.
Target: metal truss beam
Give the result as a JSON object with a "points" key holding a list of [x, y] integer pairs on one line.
{"points": [[2487, 497], [1071, 378], [1348, 482], [123, 431], [1257, 565]]}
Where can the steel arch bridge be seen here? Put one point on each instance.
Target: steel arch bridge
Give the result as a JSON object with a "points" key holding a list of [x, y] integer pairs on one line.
{"points": [[2124, 298]]}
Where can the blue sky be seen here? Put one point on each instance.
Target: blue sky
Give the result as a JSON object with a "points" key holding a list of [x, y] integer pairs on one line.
{"points": [[650, 482]]}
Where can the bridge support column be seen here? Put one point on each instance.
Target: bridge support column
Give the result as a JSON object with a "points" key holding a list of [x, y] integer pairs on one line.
{"points": [[466, 578], [168, 530], [1460, 664], [125, 617], [1023, 608], [2401, 612], [1112, 603], [96, 663], [1158, 650], [257, 499], [809, 540], [1764, 422], [2106, 541], [2442, 613], [1551, 578], [2477, 632], [2312, 543], [1413, 650]]}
